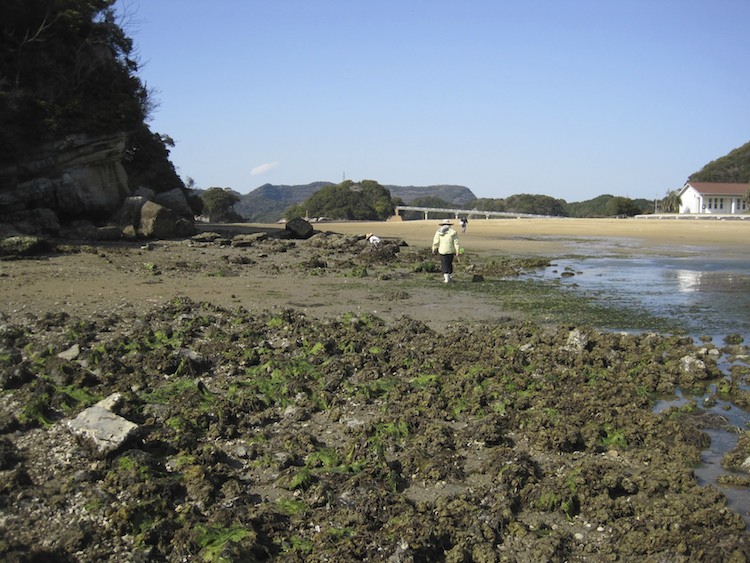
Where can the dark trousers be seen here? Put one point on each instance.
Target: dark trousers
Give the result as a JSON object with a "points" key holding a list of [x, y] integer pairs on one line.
{"points": [[446, 263]]}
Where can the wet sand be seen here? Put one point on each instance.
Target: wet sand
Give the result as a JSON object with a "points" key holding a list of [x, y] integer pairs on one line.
{"points": [[85, 282]]}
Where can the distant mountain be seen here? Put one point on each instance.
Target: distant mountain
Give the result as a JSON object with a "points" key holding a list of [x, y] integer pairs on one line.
{"points": [[267, 203]]}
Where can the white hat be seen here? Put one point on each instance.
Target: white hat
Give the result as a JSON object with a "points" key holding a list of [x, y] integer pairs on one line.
{"points": [[446, 222]]}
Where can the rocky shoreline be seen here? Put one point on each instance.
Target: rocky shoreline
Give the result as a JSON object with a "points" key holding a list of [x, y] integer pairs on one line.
{"points": [[274, 434]]}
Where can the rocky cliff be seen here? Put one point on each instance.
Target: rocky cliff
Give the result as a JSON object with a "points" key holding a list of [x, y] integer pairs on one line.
{"points": [[80, 181]]}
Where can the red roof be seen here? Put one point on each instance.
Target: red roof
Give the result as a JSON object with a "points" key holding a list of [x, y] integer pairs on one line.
{"points": [[719, 188]]}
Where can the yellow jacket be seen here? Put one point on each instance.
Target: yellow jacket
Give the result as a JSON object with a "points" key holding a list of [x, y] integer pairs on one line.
{"points": [[445, 241]]}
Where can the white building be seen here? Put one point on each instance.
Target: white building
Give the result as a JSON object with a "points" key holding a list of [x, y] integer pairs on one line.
{"points": [[713, 197]]}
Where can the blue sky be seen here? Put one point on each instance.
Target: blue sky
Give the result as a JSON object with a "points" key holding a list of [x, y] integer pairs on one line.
{"points": [[567, 98]]}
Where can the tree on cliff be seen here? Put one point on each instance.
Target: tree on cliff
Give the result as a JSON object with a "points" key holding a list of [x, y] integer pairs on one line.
{"points": [[363, 201], [67, 67]]}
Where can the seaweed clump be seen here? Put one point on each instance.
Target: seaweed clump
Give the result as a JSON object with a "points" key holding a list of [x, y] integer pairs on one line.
{"points": [[269, 435]]}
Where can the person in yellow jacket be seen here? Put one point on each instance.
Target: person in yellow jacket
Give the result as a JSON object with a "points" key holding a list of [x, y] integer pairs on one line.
{"points": [[445, 243]]}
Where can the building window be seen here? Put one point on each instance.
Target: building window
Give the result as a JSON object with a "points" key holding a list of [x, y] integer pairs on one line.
{"points": [[721, 203]]}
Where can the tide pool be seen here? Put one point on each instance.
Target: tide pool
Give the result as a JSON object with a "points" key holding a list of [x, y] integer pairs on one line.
{"points": [[707, 296]]}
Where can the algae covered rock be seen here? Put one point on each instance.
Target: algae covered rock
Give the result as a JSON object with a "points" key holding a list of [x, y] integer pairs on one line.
{"points": [[23, 245]]}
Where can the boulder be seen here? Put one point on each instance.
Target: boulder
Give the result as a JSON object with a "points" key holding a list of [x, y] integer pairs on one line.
{"points": [[139, 216], [176, 201], [93, 180], [241, 241], [23, 246], [145, 193], [157, 221], [129, 233], [16, 195], [71, 353], [107, 232], [129, 212], [185, 227], [299, 228], [39, 221], [80, 228], [207, 236], [577, 341], [101, 429], [8, 230]]}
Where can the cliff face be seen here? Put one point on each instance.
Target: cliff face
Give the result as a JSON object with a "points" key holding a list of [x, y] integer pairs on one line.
{"points": [[72, 107], [93, 181], [81, 182], [77, 178]]}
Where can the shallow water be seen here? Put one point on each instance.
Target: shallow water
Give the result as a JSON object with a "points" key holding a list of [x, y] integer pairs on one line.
{"points": [[738, 499], [707, 294], [722, 441]]}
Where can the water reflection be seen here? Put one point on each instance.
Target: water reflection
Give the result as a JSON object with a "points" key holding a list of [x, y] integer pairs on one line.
{"points": [[688, 280], [706, 296], [711, 281]]}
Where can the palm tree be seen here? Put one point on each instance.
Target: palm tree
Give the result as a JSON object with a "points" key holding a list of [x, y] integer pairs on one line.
{"points": [[671, 202]]}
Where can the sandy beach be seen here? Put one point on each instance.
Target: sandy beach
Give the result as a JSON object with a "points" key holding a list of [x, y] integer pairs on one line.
{"points": [[552, 235]]}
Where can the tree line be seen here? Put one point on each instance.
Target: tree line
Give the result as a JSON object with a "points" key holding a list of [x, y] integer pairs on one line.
{"points": [[532, 204], [370, 201]]}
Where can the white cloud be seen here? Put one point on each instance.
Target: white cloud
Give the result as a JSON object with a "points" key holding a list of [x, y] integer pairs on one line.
{"points": [[263, 168]]}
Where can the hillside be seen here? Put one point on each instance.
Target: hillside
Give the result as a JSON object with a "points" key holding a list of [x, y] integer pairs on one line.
{"points": [[733, 167], [459, 195], [607, 205], [267, 203]]}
